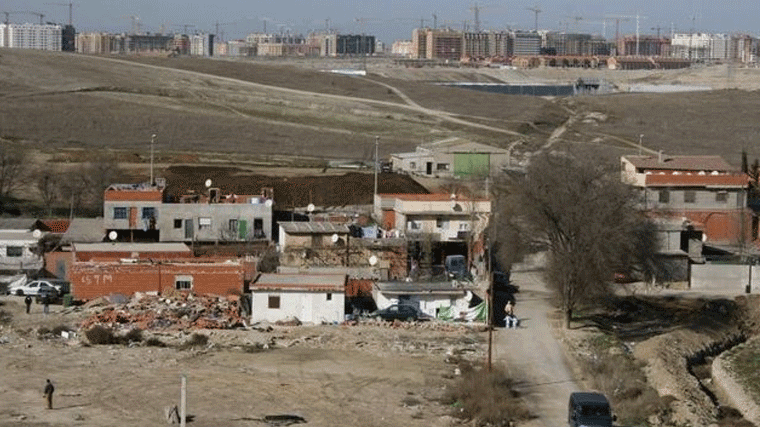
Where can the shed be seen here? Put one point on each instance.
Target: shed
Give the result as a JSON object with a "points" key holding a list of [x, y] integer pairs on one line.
{"points": [[432, 298], [311, 298]]}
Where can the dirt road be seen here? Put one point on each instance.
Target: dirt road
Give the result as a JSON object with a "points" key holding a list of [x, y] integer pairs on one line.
{"points": [[532, 355]]}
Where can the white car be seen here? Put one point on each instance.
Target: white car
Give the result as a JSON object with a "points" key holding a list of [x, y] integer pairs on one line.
{"points": [[33, 287]]}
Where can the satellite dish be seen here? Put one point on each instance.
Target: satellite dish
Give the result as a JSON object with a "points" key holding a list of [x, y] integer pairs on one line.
{"points": [[208, 183], [372, 260], [310, 208], [113, 235], [704, 237], [334, 238], [37, 234], [269, 203]]}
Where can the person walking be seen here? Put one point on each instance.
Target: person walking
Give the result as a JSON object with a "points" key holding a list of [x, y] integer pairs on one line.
{"points": [[49, 389], [510, 321], [45, 304], [28, 302]]}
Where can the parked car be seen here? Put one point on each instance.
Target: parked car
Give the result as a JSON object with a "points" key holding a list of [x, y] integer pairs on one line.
{"points": [[402, 312], [32, 288], [589, 409]]}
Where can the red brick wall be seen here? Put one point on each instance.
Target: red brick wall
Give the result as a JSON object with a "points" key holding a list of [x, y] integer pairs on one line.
{"points": [[53, 258], [723, 226], [92, 280]]}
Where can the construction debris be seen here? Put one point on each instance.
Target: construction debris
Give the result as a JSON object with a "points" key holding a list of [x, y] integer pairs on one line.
{"points": [[178, 312]]}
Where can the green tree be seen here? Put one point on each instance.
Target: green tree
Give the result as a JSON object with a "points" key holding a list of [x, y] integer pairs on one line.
{"points": [[585, 218]]}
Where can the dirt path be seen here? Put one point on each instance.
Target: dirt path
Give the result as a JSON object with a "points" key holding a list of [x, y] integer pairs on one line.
{"points": [[532, 355]]}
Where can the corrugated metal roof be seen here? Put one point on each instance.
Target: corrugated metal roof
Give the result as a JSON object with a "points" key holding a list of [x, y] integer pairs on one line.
{"points": [[84, 230], [131, 247], [684, 163], [314, 227], [17, 223], [304, 282], [420, 288]]}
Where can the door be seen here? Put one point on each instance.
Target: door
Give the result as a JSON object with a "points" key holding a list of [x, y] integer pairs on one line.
{"points": [[242, 229], [429, 168], [189, 228]]}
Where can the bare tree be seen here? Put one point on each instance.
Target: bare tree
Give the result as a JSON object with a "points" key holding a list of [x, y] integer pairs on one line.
{"points": [[48, 185], [587, 220], [13, 168]]}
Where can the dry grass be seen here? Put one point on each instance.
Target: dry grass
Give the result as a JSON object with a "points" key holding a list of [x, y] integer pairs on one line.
{"points": [[485, 397]]}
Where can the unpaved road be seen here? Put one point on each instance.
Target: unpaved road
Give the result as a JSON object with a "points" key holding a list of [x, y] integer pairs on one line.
{"points": [[532, 355]]}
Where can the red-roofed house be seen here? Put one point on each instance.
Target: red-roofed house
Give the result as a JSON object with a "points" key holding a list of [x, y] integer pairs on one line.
{"points": [[705, 190]]}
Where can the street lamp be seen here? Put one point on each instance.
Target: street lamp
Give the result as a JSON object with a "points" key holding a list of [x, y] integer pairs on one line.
{"points": [[152, 141]]}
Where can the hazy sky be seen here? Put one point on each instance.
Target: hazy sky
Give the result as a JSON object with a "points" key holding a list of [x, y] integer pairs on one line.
{"points": [[393, 19]]}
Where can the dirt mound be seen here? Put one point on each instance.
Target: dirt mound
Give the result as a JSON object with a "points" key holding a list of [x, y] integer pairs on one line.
{"points": [[353, 188]]}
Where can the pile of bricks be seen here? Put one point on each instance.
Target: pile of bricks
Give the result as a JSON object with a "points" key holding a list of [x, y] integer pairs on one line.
{"points": [[177, 312]]}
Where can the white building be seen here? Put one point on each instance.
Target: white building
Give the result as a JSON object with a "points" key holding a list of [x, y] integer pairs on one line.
{"points": [[451, 158], [18, 251], [311, 298], [31, 36], [403, 48], [202, 45], [430, 297]]}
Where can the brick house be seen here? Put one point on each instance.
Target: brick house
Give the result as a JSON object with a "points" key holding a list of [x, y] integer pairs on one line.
{"points": [[706, 191]]}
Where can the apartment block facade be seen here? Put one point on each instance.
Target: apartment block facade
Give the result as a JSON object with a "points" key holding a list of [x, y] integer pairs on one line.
{"points": [[31, 36]]}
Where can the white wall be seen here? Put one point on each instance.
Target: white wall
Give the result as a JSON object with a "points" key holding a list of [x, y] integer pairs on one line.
{"points": [[308, 307], [427, 303]]}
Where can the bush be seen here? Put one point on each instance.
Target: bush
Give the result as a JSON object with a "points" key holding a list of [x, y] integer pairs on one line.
{"points": [[134, 335], [485, 397], [100, 335], [195, 340], [154, 342]]}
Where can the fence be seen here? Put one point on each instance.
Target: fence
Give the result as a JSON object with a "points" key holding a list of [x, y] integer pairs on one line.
{"points": [[728, 278]]}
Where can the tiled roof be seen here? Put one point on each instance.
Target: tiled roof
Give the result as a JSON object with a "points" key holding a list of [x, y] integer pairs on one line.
{"points": [[58, 226], [302, 282], [694, 180], [682, 163]]}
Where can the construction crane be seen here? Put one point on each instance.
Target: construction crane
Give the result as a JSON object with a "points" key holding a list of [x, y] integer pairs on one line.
{"points": [[40, 15], [218, 24], [577, 19], [476, 11], [70, 5], [658, 28], [535, 9], [135, 23], [184, 27], [628, 17]]}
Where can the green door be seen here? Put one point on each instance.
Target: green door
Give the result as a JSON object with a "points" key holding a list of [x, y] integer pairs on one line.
{"points": [[471, 164], [243, 229]]}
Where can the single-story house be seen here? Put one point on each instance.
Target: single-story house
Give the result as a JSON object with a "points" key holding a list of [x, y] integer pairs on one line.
{"points": [[433, 298], [451, 158], [94, 279], [311, 298]]}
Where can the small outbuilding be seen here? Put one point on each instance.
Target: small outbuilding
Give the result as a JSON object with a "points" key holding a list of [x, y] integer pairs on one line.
{"points": [[311, 298], [437, 299]]}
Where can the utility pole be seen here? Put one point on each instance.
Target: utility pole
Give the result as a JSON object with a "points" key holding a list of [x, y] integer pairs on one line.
{"points": [[377, 143], [152, 140]]}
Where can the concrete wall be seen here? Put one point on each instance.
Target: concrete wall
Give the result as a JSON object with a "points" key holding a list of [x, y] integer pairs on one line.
{"points": [[729, 278], [308, 307], [92, 280], [429, 304], [220, 215]]}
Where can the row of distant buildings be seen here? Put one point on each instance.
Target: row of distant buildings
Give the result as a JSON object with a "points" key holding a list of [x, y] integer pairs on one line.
{"points": [[455, 45], [38, 36]]}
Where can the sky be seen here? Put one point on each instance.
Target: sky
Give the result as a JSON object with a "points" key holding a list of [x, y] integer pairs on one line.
{"points": [[391, 20]]}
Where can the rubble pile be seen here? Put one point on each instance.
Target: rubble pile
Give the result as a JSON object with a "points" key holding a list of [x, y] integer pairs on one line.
{"points": [[175, 312]]}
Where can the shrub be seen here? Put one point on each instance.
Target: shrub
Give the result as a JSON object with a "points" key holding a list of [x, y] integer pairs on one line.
{"points": [[485, 397], [100, 335], [134, 335], [154, 342], [195, 340]]}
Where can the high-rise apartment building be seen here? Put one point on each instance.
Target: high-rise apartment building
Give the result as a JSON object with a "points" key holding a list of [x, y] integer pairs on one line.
{"points": [[31, 36]]}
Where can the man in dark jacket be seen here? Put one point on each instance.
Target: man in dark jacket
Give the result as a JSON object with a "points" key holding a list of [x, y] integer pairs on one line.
{"points": [[28, 302], [49, 389]]}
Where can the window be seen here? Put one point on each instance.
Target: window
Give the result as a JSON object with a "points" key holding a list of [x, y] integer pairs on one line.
{"points": [[689, 196], [148, 213], [441, 223], [204, 223], [119, 212], [274, 301], [14, 251], [442, 166], [721, 197], [414, 225], [177, 222], [329, 296], [664, 196], [183, 282], [233, 225], [464, 226]]}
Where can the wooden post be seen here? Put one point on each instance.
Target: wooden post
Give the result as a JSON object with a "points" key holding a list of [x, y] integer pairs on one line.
{"points": [[183, 402]]}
